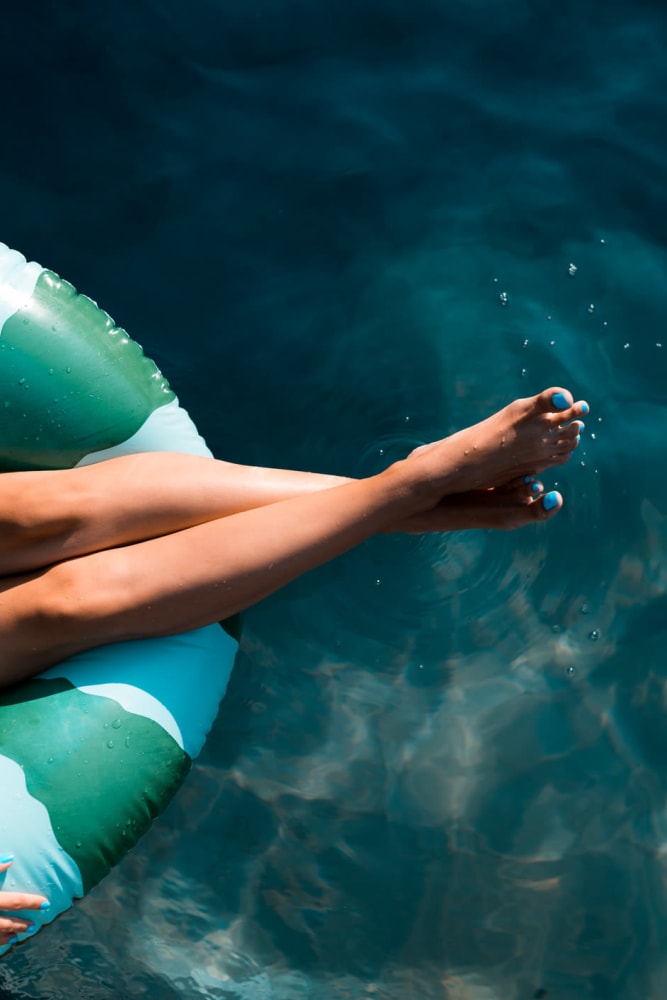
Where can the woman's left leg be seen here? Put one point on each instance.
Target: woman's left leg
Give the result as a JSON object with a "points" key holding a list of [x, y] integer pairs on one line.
{"points": [[46, 517]]}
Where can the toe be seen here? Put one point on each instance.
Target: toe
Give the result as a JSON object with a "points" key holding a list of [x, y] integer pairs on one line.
{"points": [[525, 489], [557, 399], [566, 443], [547, 506], [558, 403], [527, 485], [571, 430]]}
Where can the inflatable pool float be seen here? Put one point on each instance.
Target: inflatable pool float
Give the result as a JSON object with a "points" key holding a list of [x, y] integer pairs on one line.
{"points": [[92, 750]]}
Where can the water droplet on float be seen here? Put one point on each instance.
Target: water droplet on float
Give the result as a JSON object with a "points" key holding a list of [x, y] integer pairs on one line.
{"points": [[21, 381], [504, 298], [594, 634], [377, 583], [110, 744], [524, 372], [571, 671], [585, 609], [572, 270], [116, 724], [625, 347], [591, 308]]}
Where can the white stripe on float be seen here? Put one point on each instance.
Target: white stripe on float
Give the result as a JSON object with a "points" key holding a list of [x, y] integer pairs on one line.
{"points": [[138, 702], [177, 681], [168, 428], [17, 282]]}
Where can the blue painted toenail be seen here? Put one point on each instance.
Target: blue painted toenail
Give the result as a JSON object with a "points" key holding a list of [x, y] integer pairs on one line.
{"points": [[550, 501], [559, 401], [585, 408], [536, 488], [527, 479]]}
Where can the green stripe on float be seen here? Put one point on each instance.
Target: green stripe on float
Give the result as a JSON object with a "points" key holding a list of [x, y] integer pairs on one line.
{"points": [[103, 773], [71, 382]]}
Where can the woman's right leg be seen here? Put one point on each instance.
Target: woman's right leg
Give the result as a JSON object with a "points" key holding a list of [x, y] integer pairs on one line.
{"points": [[46, 517], [196, 576]]}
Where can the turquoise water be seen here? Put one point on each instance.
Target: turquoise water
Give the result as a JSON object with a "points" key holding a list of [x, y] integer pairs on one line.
{"points": [[439, 771]]}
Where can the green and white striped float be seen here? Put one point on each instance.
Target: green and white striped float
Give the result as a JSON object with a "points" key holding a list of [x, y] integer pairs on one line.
{"points": [[92, 750]]}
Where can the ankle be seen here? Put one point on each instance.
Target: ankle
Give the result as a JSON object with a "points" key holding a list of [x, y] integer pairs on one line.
{"points": [[415, 490]]}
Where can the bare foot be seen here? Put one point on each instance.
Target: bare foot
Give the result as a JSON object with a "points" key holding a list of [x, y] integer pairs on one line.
{"points": [[525, 437], [502, 508]]}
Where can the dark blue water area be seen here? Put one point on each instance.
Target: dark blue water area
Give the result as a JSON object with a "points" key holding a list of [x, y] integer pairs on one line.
{"points": [[440, 771]]}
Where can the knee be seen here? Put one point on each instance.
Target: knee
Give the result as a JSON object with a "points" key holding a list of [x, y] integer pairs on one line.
{"points": [[38, 512], [75, 604]]}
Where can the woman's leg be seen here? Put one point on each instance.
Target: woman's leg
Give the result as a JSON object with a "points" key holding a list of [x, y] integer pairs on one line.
{"points": [[203, 573], [46, 517]]}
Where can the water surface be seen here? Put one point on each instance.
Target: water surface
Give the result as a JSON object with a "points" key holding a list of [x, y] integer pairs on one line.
{"points": [[439, 771]]}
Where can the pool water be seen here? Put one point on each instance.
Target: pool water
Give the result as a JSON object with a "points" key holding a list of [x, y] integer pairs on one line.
{"points": [[344, 228]]}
